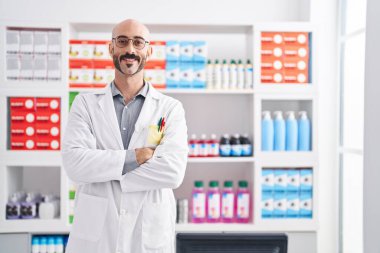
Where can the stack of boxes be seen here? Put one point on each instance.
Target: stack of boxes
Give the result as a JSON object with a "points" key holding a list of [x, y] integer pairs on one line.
{"points": [[34, 123], [285, 57], [33, 54], [90, 65], [286, 193]]}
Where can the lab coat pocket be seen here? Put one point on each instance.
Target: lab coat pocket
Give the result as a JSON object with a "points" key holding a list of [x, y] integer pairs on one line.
{"points": [[90, 215], [154, 136], [156, 227]]}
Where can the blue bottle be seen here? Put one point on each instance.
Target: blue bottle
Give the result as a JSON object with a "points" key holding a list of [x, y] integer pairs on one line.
{"points": [[279, 131], [304, 132], [291, 137], [267, 132]]}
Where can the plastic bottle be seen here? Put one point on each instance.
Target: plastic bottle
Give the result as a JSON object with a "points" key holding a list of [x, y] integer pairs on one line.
{"points": [[35, 245], [58, 244], [249, 75], [267, 132], [217, 75], [198, 203], [43, 244], [213, 202], [279, 131], [51, 244], [203, 146], [236, 149], [193, 146], [225, 146], [291, 138], [225, 75], [213, 146], [243, 203], [240, 75], [233, 75], [246, 145], [228, 202], [304, 132], [210, 75]]}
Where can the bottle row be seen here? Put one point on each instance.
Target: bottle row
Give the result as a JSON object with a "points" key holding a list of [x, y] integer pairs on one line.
{"points": [[32, 205], [215, 205], [291, 134], [49, 243], [236, 145]]}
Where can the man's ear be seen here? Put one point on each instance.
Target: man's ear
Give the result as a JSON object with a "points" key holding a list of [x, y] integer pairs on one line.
{"points": [[110, 49]]}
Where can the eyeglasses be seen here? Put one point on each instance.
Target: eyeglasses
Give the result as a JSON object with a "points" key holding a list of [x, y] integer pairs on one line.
{"points": [[122, 41]]}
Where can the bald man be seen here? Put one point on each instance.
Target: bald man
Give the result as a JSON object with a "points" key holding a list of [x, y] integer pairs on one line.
{"points": [[125, 147]]}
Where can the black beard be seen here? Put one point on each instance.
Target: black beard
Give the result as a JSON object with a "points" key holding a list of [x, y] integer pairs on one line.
{"points": [[116, 62]]}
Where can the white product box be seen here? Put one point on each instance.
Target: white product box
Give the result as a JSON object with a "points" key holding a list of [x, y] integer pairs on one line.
{"points": [[172, 51], [172, 74], [267, 205], [156, 77], [40, 67], [26, 70], [54, 68], [185, 75], [158, 51], [40, 42], [280, 180], [81, 49], [54, 42], [13, 67], [186, 51], [293, 180], [26, 42], [199, 69], [306, 180], [101, 50], [293, 205], [200, 51], [267, 180], [279, 205], [13, 41], [306, 205]]}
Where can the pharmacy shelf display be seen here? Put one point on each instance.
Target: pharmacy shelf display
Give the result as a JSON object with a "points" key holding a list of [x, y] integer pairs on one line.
{"points": [[212, 107]]}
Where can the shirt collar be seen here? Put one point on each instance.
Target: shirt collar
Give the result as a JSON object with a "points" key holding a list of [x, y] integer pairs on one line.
{"points": [[143, 91]]}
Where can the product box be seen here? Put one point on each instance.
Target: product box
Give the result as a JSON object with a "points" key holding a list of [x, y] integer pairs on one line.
{"points": [[40, 42], [272, 50], [271, 64], [295, 64], [296, 38], [293, 205], [54, 68], [306, 205], [267, 180], [48, 104], [154, 73], [172, 75], [199, 75], [81, 74], [306, 180], [22, 104], [185, 75], [46, 130], [81, 49], [272, 76], [47, 144], [13, 41], [295, 76], [13, 67], [26, 42], [158, 51], [272, 38], [279, 205], [104, 73], [54, 42], [22, 130], [293, 180], [40, 67], [267, 205], [101, 50], [26, 67], [280, 180], [186, 51], [200, 51], [296, 52], [172, 51], [22, 143]]}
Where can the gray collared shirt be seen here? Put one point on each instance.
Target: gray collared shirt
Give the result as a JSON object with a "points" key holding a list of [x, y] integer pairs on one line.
{"points": [[127, 115]]}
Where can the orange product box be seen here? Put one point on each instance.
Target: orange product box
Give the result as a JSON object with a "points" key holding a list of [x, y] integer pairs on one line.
{"points": [[272, 76], [104, 73], [272, 38], [272, 51], [271, 63], [296, 64], [47, 143], [296, 51], [101, 49], [154, 73], [81, 73], [296, 38], [48, 104], [22, 103], [296, 76], [158, 51], [81, 49], [22, 143]]}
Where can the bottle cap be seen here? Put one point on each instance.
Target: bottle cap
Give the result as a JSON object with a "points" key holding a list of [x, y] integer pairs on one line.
{"points": [[224, 61], [239, 61], [198, 184], [216, 61], [214, 184], [243, 184], [203, 136], [208, 61], [228, 184], [213, 136], [35, 241]]}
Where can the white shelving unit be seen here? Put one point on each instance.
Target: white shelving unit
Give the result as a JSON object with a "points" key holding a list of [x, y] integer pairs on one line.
{"points": [[207, 111]]}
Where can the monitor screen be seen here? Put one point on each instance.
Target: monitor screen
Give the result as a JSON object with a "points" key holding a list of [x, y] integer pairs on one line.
{"points": [[231, 243]]}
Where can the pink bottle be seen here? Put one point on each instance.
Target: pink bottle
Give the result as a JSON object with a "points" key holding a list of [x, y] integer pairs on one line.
{"points": [[203, 146], [213, 202], [198, 203], [228, 203], [213, 146], [193, 146], [243, 203]]}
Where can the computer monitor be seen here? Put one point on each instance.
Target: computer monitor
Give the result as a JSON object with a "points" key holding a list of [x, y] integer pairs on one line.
{"points": [[231, 243]]}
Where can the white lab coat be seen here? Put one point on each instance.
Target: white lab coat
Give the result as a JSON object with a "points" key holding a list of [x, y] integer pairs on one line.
{"points": [[129, 213]]}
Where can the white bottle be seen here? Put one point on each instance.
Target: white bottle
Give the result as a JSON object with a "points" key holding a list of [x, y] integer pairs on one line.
{"points": [[233, 75], [248, 75], [225, 75], [35, 245], [210, 73], [240, 75], [58, 244], [193, 146], [217, 75]]}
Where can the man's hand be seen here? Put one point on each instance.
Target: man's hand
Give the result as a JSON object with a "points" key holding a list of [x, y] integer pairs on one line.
{"points": [[143, 154]]}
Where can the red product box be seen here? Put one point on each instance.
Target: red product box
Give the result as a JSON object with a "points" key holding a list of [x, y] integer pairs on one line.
{"points": [[48, 104], [81, 49], [272, 38], [23, 130], [47, 143], [43, 117], [271, 63], [47, 130], [272, 50], [101, 49], [81, 73], [296, 52], [296, 64], [22, 143], [296, 76], [104, 73], [296, 38], [22, 117], [22, 103], [272, 76]]}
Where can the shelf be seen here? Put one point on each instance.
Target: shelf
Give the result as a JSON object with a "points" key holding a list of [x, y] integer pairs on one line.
{"points": [[34, 226], [221, 159], [32, 158], [206, 91], [285, 88], [296, 158]]}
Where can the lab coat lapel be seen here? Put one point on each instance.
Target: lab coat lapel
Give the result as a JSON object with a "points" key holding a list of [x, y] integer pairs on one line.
{"points": [[106, 104]]}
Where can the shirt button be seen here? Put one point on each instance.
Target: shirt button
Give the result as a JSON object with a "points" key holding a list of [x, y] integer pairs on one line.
{"points": [[124, 128], [123, 212]]}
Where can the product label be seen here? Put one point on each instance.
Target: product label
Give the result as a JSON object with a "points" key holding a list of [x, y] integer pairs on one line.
{"points": [[225, 150], [214, 149], [236, 150], [213, 206], [243, 205], [199, 200], [228, 205], [203, 149], [194, 149]]}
